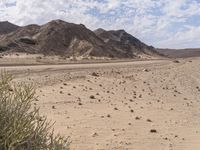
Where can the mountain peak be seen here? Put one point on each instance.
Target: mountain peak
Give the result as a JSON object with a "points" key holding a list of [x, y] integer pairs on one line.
{"points": [[121, 30], [57, 21], [7, 27], [4, 22], [99, 30]]}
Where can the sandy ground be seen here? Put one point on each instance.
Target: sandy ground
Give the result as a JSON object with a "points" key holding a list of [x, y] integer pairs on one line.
{"points": [[148, 105], [16, 59]]}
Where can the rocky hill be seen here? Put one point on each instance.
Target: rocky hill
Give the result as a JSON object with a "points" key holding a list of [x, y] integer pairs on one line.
{"points": [[125, 42], [7, 27], [68, 39]]}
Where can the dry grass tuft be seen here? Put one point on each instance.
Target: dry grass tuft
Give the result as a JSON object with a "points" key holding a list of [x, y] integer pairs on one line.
{"points": [[22, 128]]}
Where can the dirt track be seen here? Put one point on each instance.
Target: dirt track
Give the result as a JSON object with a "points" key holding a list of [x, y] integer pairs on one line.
{"points": [[23, 69], [116, 105]]}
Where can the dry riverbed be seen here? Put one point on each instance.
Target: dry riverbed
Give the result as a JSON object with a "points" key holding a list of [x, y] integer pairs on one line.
{"points": [[121, 106]]}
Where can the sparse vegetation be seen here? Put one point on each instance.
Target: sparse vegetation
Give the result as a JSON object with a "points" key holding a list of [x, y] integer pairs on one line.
{"points": [[176, 61], [22, 128]]}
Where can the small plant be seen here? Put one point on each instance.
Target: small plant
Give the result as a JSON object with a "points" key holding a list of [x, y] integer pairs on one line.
{"points": [[176, 61], [21, 126]]}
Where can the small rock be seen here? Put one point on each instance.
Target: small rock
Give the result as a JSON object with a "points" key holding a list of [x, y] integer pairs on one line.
{"points": [[149, 120], [153, 131], [108, 116], [92, 97], [137, 118], [115, 108], [61, 92], [94, 135], [95, 74], [176, 61], [146, 70], [80, 103]]}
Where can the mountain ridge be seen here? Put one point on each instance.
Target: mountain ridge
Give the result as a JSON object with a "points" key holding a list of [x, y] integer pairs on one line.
{"points": [[7, 27], [62, 38]]}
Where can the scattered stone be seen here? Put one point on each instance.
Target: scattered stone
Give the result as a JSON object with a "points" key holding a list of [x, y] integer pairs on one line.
{"points": [[92, 97], [116, 108], [61, 92], [166, 138], [176, 61], [53, 107], [95, 74], [153, 131], [80, 103], [95, 134], [146, 70], [137, 118], [10, 89], [176, 136], [108, 115], [149, 120]]}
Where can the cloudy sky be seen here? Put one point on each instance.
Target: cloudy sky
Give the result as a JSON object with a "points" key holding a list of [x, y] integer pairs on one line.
{"points": [[161, 23]]}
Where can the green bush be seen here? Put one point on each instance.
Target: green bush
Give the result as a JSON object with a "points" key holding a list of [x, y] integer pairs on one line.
{"points": [[21, 126]]}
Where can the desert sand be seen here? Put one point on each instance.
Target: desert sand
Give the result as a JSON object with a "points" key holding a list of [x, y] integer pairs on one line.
{"points": [[142, 105]]}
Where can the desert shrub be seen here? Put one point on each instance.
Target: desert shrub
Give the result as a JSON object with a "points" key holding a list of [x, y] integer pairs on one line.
{"points": [[21, 126], [176, 61]]}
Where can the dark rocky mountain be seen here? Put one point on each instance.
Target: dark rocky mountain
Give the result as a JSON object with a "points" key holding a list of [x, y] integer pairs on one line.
{"points": [[68, 39], [124, 42], [7, 27]]}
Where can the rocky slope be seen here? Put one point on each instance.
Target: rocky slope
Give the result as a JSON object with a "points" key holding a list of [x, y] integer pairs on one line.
{"points": [[124, 42], [68, 39], [7, 27]]}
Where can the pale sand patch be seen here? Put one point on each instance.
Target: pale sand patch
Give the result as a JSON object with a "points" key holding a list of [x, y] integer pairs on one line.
{"points": [[117, 106]]}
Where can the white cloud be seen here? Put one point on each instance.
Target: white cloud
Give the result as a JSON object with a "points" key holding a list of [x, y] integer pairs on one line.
{"points": [[189, 38], [156, 22]]}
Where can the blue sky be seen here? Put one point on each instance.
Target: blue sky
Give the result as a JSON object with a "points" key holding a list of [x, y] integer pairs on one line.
{"points": [[161, 23]]}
